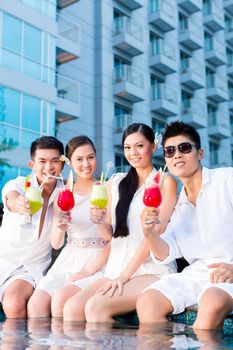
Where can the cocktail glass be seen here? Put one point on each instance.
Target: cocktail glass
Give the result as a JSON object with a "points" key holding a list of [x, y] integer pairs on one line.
{"points": [[152, 197], [65, 200], [99, 196], [35, 201]]}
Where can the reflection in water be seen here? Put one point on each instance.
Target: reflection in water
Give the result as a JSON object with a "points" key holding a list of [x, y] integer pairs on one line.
{"points": [[44, 333]]}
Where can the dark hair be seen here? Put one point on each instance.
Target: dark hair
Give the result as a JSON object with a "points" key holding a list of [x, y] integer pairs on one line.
{"points": [[129, 183], [179, 128], [46, 142], [76, 142]]}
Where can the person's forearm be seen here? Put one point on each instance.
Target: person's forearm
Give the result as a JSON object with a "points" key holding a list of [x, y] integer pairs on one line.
{"points": [[100, 260], [158, 247], [105, 231], [136, 261], [57, 236]]}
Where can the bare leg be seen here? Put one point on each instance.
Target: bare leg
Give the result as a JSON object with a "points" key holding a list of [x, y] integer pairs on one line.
{"points": [[60, 297], [153, 306], [214, 306], [15, 299], [74, 307], [39, 304], [102, 308]]}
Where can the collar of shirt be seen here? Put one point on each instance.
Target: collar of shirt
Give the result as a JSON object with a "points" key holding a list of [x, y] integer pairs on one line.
{"points": [[205, 179]]}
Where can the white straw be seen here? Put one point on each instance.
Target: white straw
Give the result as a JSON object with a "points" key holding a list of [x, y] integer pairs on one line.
{"points": [[109, 165]]}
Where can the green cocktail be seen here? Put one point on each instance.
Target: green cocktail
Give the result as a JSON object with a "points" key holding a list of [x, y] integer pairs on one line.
{"points": [[99, 195], [35, 201], [35, 198]]}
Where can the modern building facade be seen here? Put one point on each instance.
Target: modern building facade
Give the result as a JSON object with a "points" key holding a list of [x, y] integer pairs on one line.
{"points": [[95, 66]]}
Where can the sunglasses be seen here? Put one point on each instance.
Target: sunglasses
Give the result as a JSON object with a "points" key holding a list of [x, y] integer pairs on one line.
{"points": [[184, 147]]}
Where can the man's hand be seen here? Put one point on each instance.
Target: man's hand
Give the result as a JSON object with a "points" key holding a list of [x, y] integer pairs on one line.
{"points": [[22, 205], [222, 272], [149, 218]]}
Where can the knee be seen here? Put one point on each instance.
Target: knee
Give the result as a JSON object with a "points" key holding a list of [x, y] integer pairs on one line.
{"points": [[96, 310], [74, 310], [15, 307], [39, 305], [213, 303], [57, 304]]}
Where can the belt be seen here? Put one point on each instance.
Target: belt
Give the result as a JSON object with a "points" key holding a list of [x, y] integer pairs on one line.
{"points": [[86, 242]]}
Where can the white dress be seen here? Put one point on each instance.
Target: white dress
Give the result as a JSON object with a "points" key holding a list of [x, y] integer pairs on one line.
{"points": [[83, 246], [123, 248]]}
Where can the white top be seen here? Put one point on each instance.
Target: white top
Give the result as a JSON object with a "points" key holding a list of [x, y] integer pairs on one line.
{"points": [[204, 234], [20, 246], [123, 248]]}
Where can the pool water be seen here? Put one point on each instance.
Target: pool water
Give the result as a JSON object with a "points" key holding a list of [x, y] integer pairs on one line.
{"points": [[39, 334]]}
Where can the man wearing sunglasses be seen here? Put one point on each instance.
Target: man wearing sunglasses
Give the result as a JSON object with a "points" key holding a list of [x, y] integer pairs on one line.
{"points": [[200, 230]]}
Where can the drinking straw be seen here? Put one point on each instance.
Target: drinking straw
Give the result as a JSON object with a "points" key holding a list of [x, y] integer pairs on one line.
{"points": [[109, 165], [102, 177], [55, 177]]}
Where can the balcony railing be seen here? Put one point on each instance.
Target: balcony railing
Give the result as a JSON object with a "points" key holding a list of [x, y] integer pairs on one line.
{"points": [[122, 122], [160, 48], [212, 8], [125, 73], [191, 66], [213, 43], [68, 29], [67, 88], [161, 91], [193, 108], [193, 28], [162, 5], [125, 25]]}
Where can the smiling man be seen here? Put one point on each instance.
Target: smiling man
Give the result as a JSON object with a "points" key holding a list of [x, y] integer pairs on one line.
{"points": [[25, 253], [200, 230]]}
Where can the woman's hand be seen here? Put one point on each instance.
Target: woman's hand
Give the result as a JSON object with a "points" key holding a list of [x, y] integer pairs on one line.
{"points": [[79, 275], [63, 220], [97, 215], [112, 285]]}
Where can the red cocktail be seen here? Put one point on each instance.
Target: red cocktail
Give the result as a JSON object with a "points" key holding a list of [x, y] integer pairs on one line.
{"points": [[66, 200], [152, 195]]}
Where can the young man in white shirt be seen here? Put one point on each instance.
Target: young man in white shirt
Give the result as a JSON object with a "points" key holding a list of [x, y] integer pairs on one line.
{"points": [[25, 254], [200, 230]]}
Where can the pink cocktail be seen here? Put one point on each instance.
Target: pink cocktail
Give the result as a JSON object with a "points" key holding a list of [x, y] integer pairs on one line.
{"points": [[152, 195]]}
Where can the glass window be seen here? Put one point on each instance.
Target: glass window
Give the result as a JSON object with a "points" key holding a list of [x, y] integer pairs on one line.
{"points": [[214, 147], [30, 113], [27, 138], [6, 174], [32, 51], [11, 132], [11, 42], [11, 37], [10, 106]]}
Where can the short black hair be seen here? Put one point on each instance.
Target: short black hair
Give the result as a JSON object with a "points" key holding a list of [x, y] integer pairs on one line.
{"points": [[177, 128], [46, 142]]}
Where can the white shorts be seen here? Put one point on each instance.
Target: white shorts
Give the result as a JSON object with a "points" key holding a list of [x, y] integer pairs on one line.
{"points": [[18, 274], [183, 290]]}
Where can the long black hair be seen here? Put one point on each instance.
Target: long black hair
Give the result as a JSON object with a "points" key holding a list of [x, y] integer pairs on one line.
{"points": [[129, 183]]}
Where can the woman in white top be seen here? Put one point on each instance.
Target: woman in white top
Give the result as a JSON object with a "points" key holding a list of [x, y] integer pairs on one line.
{"points": [[129, 268], [85, 252]]}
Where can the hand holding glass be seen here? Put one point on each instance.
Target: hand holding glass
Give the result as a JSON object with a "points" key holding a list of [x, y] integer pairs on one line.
{"points": [[34, 195], [152, 197], [99, 195]]}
